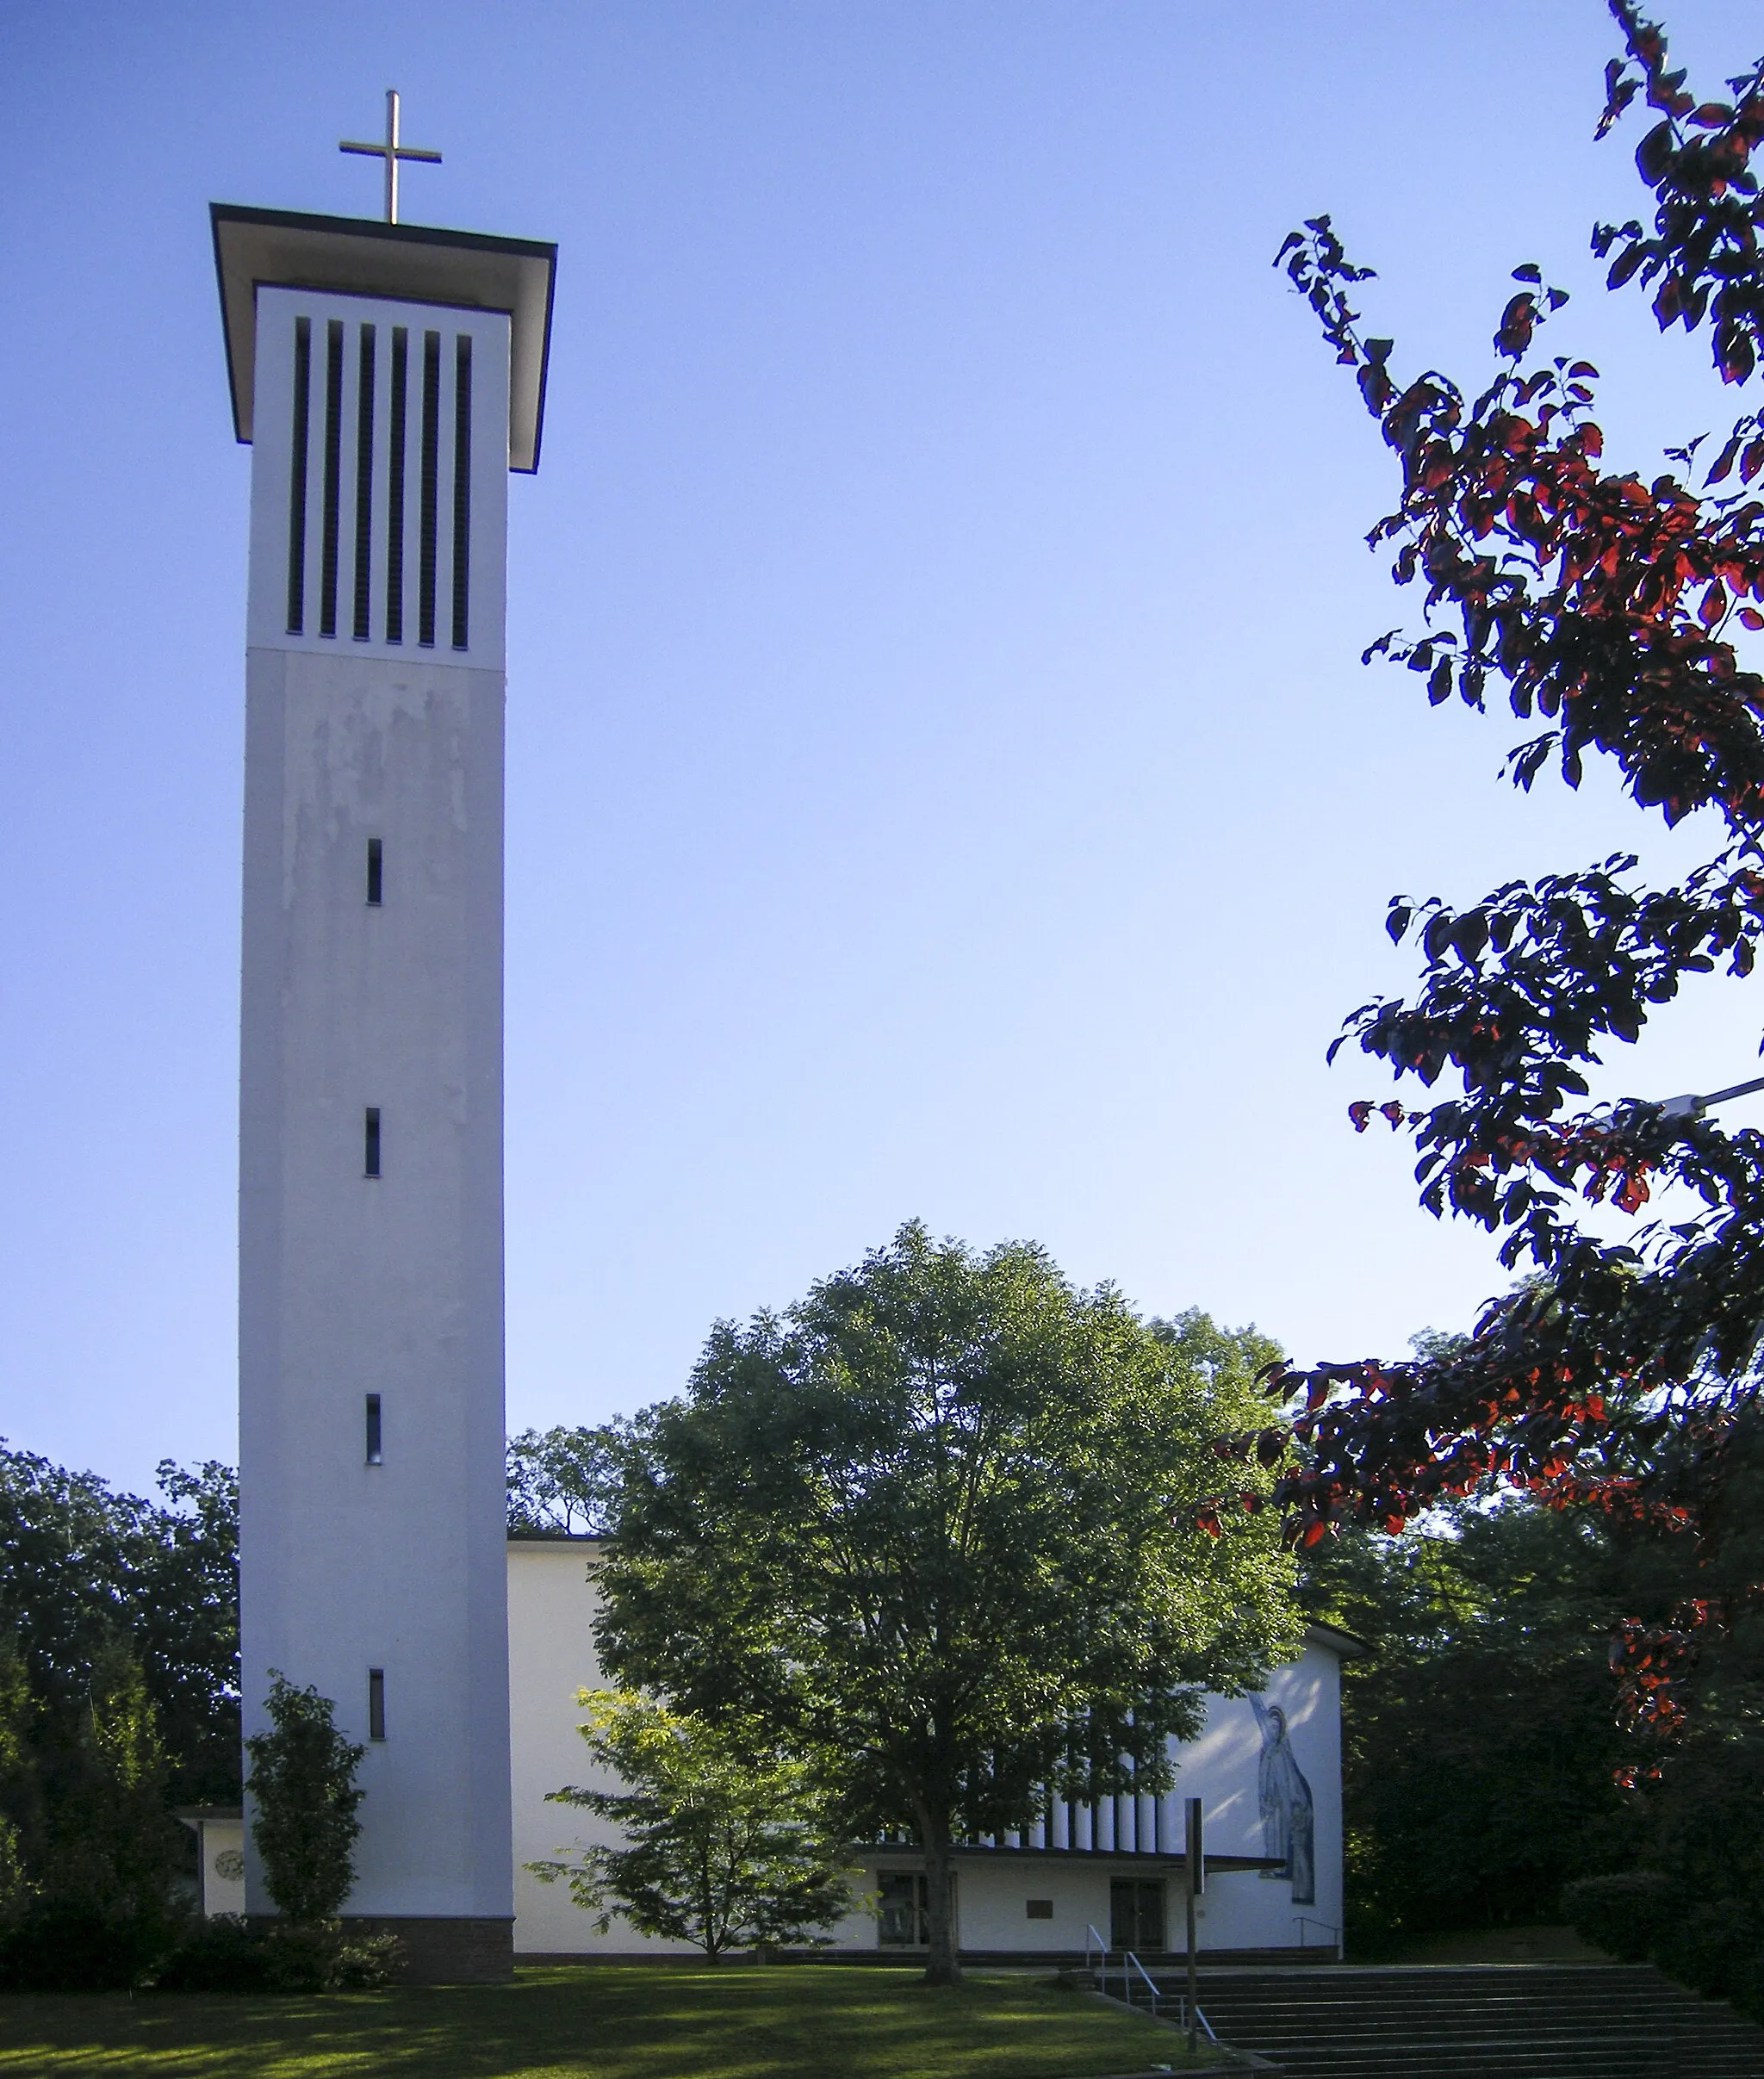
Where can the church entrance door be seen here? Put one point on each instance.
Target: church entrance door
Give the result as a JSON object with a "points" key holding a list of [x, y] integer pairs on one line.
{"points": [[1136, 1913]]}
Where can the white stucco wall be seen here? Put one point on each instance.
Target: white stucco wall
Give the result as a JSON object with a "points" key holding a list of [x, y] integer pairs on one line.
{"points": [[220, 1860], [391, 1284], [551, 1606]]}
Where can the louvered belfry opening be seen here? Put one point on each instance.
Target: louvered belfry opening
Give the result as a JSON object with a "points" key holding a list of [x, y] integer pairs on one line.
{"points": [[461, 488], [381, 440], [429, 487], [334, 475], [395, 485], [297, 476]]}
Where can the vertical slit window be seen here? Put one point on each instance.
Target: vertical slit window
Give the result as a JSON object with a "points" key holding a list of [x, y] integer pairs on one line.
{"points": [[333, 461], [394, 488], [363, 481], [428, 489], [371, 1142], [377, 1703], [462, 486], [373, 1436], [297, 476], [377, 865]]}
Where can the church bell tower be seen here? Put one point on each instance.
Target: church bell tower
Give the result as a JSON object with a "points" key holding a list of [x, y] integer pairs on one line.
{"points": [[388, 377]]}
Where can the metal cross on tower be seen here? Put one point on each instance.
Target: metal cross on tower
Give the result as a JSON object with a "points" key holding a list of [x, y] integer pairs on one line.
{"points": [[392, 151]]}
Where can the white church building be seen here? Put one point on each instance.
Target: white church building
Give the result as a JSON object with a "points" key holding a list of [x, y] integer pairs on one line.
{"points": [[388, 378], [1115, 1868], [1113, 1871]]}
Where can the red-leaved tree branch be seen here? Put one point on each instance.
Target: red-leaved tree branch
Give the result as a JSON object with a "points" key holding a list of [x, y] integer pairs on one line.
{"points": [[1603, 608]]}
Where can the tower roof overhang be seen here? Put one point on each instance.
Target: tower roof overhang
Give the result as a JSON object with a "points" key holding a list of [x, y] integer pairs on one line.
{"points": [[358, 256]]}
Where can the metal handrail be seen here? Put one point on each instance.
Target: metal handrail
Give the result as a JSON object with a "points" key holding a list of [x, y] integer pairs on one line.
{"points": [[1305, 1921], [1127, 1957], [1129, 1963]]}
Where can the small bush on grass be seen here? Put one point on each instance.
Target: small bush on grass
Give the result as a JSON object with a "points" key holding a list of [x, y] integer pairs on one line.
{"points": [[1627, 1915], [324, 1955], [222, 1955], [75, 1947], [227, 1955], [1714, 1946]]}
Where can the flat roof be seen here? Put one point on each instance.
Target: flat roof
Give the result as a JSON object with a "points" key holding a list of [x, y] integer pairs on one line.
{"points": [[416, 262], [1318, 1631]]}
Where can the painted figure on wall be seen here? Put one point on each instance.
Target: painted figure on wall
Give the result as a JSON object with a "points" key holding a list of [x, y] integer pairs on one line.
{"points": [[1288, 1826]]}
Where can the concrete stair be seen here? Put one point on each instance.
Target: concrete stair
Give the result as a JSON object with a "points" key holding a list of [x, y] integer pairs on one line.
{"points": [[1502, 2020]]}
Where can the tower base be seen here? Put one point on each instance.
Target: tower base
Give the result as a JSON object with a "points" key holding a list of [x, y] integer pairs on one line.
{"points": [[447, 1950]]}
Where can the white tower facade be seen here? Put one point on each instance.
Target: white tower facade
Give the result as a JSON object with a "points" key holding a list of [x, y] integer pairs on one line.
{"points": [[388, 377]]}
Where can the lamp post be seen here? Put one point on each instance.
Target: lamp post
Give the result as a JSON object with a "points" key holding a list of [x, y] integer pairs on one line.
{"points": [[1193, 1883], [1692, 1107]]}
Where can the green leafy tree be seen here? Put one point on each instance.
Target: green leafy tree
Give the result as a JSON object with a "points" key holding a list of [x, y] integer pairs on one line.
{"points": [[304, 1795], [1479, 1742], [82, 1564], [721, 1842], [117, 1843], [91, 1902], [20, 1793], [937, 1524], [563, 1482]]}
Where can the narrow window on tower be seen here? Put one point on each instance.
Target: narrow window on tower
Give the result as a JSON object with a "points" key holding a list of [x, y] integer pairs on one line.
{"points": [[427, 490], [297, 476], [333, 465], [363, 480], [377, 1703], [371, 1142], [462, 486], [374, 1453], [376, 855], [394, 488]]}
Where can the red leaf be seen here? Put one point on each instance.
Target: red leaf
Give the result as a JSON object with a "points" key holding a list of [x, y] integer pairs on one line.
{"points": [[1517, 322]]}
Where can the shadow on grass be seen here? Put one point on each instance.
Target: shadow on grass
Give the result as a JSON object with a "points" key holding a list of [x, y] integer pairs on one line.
{"points": [[602, 2021]]}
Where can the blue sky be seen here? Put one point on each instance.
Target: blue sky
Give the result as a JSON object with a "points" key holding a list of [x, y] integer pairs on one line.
{"points": [[942, 779]]}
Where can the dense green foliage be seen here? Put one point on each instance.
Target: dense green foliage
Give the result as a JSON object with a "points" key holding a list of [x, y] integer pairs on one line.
{"points": [[82, 1566], [1479, 1741], [303, 1799], [563, 1481], [721, 1844], [118, 1700], [1482, 1754], [304, 1795], [936, 1523]]}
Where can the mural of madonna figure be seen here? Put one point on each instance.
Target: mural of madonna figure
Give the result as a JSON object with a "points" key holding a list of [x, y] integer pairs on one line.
{"points": [[1288, 1826]]}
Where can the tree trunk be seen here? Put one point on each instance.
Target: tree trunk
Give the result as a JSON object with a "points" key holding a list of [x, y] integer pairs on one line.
{"points": [[942, 1965]]}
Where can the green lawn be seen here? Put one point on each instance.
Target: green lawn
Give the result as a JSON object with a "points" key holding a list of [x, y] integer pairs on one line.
{"points": [[602, 2021]]}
